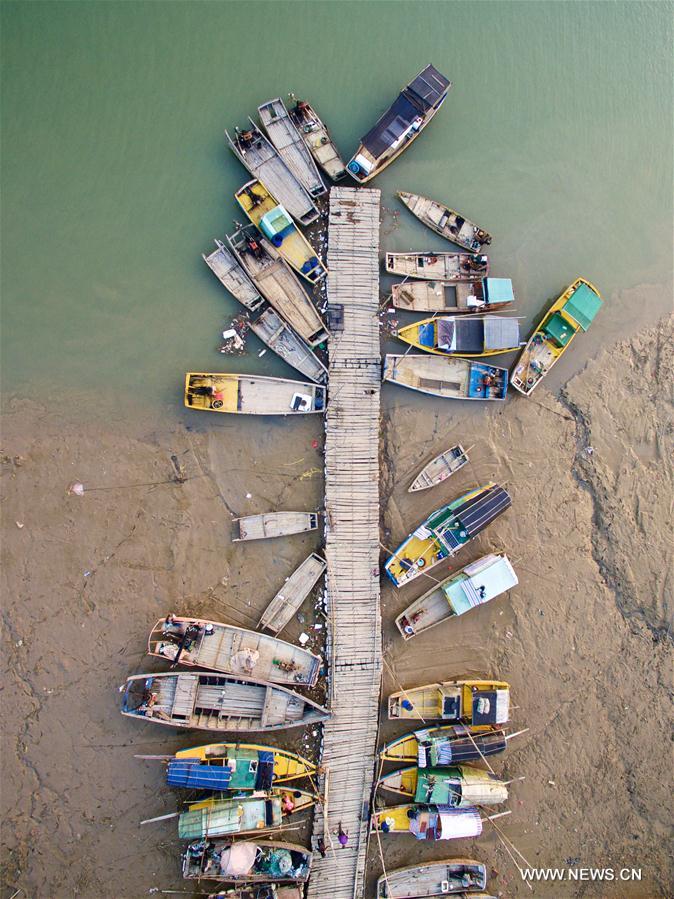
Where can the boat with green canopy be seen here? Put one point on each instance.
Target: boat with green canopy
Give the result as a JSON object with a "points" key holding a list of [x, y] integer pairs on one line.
{"points": [[457, 786]]}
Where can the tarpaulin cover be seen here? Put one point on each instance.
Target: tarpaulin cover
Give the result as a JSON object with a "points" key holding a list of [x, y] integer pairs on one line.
{"points": [[390, 126], [501, 333], [583, 305], [479, 511], [193, 775], [238, 859], [427, 88], [457, 823]]}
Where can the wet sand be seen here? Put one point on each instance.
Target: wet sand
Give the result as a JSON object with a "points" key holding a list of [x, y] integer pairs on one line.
{"points": [[584, 640]]}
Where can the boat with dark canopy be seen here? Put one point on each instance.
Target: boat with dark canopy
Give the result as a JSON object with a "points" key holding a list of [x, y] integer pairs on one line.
{"points": [[449, 744]]}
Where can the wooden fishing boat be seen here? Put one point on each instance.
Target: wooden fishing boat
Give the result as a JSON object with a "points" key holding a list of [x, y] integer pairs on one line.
{"points": [[481, 704], [431, 879], [251, 394], [259, 891], [446, 222], [457, 786], [199, 643], [216, 702], [443, 466], [272, 276], [229, 273], [488, 295], [214, 817], [438, 266], [263, 162], [446, 531], [292, 594], [572, 312], [477, 583], [287, 765], [244, 771], [450, 379], [463, 335], [274, 524], [317, 138], [270, 328], [446, 745], [276, 224], [247, 861], [293, 151], [431, 822], [401, 124]]}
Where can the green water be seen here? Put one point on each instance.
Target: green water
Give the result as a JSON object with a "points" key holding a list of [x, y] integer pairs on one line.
{"points": [[556, 137]]}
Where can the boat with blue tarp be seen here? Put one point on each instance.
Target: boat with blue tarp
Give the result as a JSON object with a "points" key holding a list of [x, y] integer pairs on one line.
{"points": [[488, 295], [448, 378], [465, 335]]}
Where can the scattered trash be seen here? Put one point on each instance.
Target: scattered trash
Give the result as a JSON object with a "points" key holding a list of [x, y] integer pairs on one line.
{"points": [[303, 638], [87, 573], [76, 489], [552, 783], [261, 353], [249, 496], [589, 450], [19, 524], [314, 444], [318, 627]]}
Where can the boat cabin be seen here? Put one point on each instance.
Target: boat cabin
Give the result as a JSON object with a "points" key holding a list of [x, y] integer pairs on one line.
{"points": [[245, 769], [430, 822]]}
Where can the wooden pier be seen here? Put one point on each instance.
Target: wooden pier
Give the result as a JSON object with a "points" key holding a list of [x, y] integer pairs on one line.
{"points": [[352, 543]]}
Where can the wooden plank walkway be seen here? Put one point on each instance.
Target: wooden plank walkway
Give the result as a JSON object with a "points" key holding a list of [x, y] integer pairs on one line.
{"points": [[352, 544]]}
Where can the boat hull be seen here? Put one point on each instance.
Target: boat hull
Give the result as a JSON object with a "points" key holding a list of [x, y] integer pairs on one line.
{"points": [[238, 394], [446, 222], [288, 766]]}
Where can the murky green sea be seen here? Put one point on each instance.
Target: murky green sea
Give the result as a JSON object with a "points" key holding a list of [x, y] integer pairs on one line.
{"points": [[556, 137]]}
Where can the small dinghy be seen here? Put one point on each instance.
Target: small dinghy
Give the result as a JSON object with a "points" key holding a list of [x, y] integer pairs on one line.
{"points": [[247, 861], [458, 786], [446, 222], [317, 138], [216, 702], [274, 524], [251, 394], [449, 378], [431, 822], [477, 583], [292, 594], [488, 295], [446, 745], [438, 266], [270, 328], [440, 468], [216, 817], [276, 224], [432, 879], [444, 533], [481, 704], [229, 273], [200, 643], [291, 147], [463, 335]]}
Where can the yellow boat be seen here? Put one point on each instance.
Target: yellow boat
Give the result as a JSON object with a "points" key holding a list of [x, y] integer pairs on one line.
{"points": [[287, 765], [573, 312], [463, 335], [214, 817], [251, 394], [445, 745], [429, 822], [269, 217], [482, 704], [458, 786]]}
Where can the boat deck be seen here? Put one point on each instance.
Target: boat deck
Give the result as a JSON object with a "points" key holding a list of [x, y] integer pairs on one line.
{"points": [[292, 149], [275, 524], [230, 274], [352, 545], [292, 594], [279, 337]]}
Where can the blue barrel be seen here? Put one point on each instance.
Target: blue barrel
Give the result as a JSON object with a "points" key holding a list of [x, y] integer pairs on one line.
{"points": [[353, 167], [277, 240]]}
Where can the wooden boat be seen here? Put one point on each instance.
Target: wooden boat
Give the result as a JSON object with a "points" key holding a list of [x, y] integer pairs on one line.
{"points": [[458, 786], [446, 222], [463, 335], [481, 704], [215, 817], [263, 162], [251, 394], [200, 643], [317, 138], [276, 224], [431, 822], [272, 276], [477, 583], [431, 879], [438, 266], [270, 328], [450, 379], [292, 594], [446, 531], [293, 151], [274, 524], [247, 861], [401, 124], [216, 702], [440, 468], [287, 765], [572, 312], [229, 273], [488, 295], [446, 745], [259, 891]]}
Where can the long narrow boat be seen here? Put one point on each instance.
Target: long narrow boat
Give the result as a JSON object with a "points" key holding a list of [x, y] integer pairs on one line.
{"points": [[431, 822], [276, 224], [216, 702], [263, 162], [270, 328], [463, 335], [481, 704], [259, 891], [572, 312], [438, 266], [293, 151], [443, 466], [450, 379], [236, 763], [244, 771], [247, 861], [271, 275], [292, 594], [316, 136], [446, 745], [229, 273], [427, 880], [401, 124], [251, 394], [200, 643], [458, 786], [446, 531], [446, 222], [274, 524], [216, 817], [488, 295], [477, 583]]}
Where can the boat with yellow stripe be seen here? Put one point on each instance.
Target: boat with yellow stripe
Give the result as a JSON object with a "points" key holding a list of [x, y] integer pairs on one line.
{"points": [[287, 765], [572, 312], [446, 745], [431, 822], [482, 704], [458, 786], [216, 817], [251, 394], [463, 335]]}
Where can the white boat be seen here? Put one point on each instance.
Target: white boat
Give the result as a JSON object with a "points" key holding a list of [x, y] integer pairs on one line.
{"points": [[438, 266], [449, 378], [275, 524], [226, 268], [316, 136], [446, 222], [290, 145], [443, 466]]}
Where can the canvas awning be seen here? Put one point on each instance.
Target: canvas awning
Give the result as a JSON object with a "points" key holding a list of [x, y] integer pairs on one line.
{"points": [[392, 125], [583, 305], [458, 823], [193, 775], [427, 88], [501, 333], [478, 512]]}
